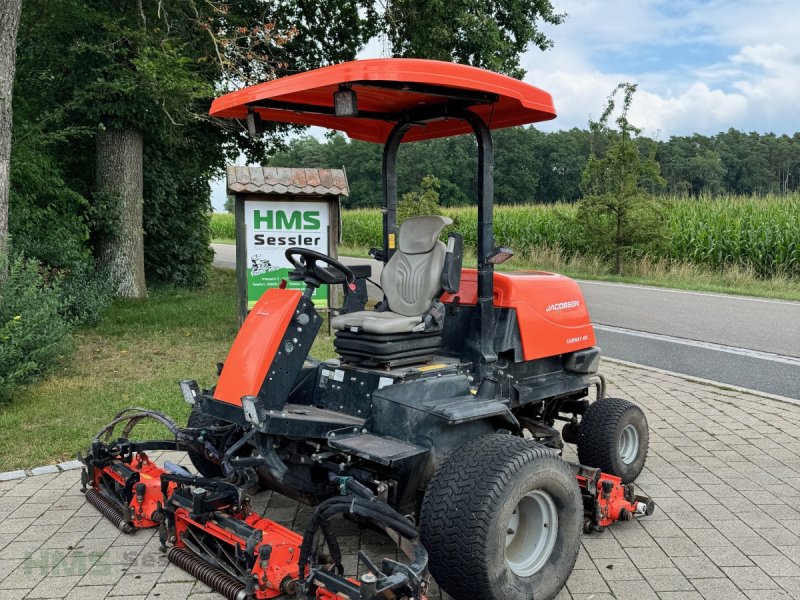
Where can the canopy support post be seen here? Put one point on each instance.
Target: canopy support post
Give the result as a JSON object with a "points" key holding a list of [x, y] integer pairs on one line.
{"points": [[389, 176], [485, 247]]}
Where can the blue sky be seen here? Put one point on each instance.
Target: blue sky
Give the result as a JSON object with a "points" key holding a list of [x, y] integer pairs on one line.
{"points": [[702, 66]]}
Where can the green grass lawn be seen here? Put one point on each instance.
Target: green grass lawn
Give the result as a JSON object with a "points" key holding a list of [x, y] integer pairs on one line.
{"points": [[135, 357]]}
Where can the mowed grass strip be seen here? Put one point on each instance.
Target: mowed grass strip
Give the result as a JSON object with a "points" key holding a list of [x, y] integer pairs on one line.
{"points": [[135, 357]]}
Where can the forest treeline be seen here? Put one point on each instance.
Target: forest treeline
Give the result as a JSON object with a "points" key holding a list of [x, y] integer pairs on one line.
{"points": [[534, 166]]}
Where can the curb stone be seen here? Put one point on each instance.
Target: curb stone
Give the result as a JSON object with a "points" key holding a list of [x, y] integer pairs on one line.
{"points": [[70, 465]]}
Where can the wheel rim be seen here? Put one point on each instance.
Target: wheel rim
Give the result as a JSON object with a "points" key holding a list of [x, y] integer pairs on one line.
{"points": [[531, 533], [628, 444]]}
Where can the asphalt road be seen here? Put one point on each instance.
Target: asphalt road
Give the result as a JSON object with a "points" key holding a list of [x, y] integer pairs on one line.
{"points": [[748, 342]]}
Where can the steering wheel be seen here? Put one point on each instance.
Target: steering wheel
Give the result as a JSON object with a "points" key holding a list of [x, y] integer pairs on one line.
{"points": [[305, 263]]}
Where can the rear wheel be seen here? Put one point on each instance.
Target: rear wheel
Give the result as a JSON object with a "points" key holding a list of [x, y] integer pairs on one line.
{"points": [[614, 437], [502, 520]]}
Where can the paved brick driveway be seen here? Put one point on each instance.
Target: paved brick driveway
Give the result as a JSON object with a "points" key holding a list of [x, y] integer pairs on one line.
{"points": [[724, 469]]}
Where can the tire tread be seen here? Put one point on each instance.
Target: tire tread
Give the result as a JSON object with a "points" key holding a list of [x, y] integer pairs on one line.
{"points": [[460, 503]]}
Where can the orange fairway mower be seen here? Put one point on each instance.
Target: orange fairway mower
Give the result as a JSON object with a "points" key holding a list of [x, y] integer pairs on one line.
{"points": [[442, 420]]}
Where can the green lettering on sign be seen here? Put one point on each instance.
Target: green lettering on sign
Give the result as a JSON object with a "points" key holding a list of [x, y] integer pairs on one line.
{"points": [[295, 220], [258, 219], [284, 222], [311, 219]]}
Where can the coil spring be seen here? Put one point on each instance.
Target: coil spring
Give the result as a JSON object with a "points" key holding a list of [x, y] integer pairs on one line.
{"points": [[108, 510], [217, 580]]}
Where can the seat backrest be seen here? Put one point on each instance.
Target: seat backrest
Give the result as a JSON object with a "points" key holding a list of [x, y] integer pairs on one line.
{"points": [[413, 276]]}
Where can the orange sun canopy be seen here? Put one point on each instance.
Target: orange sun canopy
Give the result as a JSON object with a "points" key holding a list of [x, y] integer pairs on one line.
{"points": [[388, 90]]}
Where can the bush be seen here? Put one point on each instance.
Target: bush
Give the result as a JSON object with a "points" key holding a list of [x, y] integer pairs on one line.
{"points": [[176, 223], [85, 293], [47, 219], [32, 328]]}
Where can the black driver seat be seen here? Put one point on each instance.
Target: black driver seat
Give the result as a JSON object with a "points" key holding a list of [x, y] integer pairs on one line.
{"points": [[406, 327]]}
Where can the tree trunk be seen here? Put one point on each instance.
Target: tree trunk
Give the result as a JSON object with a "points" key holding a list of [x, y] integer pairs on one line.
{"points": [[619, 248], [9, 24], [120, 178]]}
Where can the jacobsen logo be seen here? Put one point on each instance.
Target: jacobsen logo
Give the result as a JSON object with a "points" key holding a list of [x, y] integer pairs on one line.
{"points": [[294, 221], [563, 305]]}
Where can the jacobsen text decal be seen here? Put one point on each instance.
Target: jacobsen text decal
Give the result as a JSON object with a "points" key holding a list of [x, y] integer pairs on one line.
{"points": [[563, 305]]}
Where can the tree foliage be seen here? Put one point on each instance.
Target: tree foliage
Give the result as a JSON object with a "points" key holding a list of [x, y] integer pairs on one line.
{"points": [[534, 166], [485, 33], [421, 201], [86, 65], [616, 215]]}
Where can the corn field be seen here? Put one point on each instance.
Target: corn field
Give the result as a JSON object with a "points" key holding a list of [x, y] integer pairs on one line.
{"points": [[760, 233]]}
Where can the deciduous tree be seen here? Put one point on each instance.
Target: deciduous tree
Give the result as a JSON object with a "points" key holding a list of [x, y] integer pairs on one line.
{"points": [[484, 33], [617, 214], [9, 24]]}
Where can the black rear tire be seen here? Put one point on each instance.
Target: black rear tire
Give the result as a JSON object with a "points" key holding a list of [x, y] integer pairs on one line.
{"points": [[467, 513], [204, 465], [600, 440]]}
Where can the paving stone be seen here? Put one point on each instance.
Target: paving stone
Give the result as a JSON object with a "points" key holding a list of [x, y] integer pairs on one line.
{"points": [[667, 579], [767, 594], [790, 584], [717, 589], [586, 581], [171, 591], [100, 574], [727, 556], [777, 566], [92, 592], [649, 558], [16, 594], [696, 567], [617, 569], [633, 590], [750, 578], [53, 587], [133, 584]]}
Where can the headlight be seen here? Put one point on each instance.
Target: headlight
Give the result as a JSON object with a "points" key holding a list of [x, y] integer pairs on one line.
{"points": [[190, 390], [250, 409]]}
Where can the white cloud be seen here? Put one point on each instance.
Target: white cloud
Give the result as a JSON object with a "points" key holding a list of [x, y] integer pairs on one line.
{"points": [[750, 79]]}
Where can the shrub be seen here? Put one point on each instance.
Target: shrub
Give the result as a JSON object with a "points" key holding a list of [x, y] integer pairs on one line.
{"points": [[32, 328], [85, 293], [47, 219]]}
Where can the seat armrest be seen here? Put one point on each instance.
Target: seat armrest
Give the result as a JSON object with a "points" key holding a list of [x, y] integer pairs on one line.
{"points": [[451, 272], [361, 271]]}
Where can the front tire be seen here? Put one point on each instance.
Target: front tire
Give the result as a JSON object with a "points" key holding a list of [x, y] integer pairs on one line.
{"points": [[204, 465], [502, 520], [614, 438]]}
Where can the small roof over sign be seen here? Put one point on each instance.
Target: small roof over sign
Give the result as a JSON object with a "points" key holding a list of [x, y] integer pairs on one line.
{"points": [[289, 181]]}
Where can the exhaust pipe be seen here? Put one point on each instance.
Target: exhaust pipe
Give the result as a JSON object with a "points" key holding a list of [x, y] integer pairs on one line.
{"points": [[109, 511], [216, 579]]}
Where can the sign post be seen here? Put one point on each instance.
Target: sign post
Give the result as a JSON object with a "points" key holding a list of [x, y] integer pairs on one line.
{"points": [[276, 209]]}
